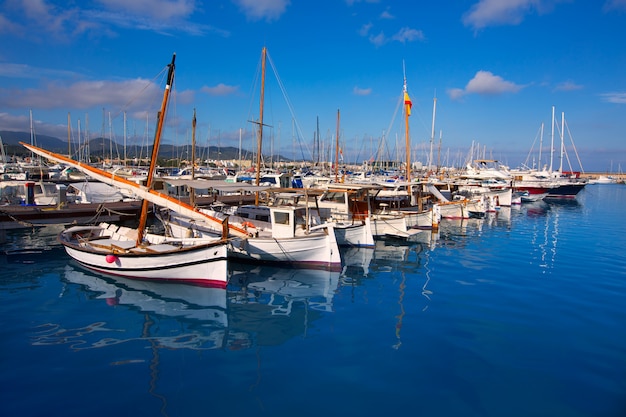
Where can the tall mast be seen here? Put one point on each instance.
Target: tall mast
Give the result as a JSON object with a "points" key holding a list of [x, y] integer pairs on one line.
{"points": [[69, 142], [110, 139], [540, 145], [562, 142], [439, 151], [239, 149], [337, 150], [32, 134], [407, 113], [192, 194], [552, 141], [260, 134], [155, 150], [432, 134], [124, 139]]}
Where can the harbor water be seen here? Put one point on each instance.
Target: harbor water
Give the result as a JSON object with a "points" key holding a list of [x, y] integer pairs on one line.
{"points": [[522, 313]]}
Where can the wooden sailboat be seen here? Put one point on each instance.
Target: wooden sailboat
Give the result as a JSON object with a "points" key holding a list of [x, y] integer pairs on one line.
{"points": [[132, 253], [279, 234]]}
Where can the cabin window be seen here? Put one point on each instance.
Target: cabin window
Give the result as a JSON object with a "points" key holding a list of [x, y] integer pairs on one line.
{"points": [[281, 218]]}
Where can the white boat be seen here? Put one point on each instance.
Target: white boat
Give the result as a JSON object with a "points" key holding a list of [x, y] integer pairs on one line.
{"points": [[134, 254], [350, 230], [353, 202], [456, 209], [40, 193], [94, 192], [277, 235], [114, 251]]}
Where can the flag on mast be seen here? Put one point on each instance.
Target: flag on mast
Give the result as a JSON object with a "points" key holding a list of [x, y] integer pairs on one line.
{"points": [[407, 103]]}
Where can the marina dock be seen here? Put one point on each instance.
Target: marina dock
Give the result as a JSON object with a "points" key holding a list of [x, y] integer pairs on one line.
{"points": [[18, 216]]}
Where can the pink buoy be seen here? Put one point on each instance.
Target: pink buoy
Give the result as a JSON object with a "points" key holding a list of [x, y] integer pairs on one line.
{"points": [[111, 258]]}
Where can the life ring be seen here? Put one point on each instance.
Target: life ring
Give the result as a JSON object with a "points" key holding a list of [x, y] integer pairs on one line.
{"points": [[248, 224]]}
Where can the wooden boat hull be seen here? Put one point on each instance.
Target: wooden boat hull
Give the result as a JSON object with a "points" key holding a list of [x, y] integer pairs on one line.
{"points": [[203, 263]]}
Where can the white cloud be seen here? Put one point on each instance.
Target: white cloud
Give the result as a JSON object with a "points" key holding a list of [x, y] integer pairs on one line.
{"points": [[485, 83], [161, 16], [403, 35], [617, 97], [84, 95], [13, 70], [361, 91], [156, 9], [387, 15], [568, 86], [408, 35], [220, 90], [504, 12], [263, 9], [379, 39]]}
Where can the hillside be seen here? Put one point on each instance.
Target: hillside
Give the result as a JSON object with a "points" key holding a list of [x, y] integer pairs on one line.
{"points": [[100, 147]]}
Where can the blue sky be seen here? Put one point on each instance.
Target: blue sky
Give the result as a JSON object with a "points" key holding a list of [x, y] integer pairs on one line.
{"points": [[496, 68]]}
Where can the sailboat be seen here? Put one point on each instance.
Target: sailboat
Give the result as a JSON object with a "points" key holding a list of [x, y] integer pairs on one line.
{"points": [[277, 234], [132, 253]]}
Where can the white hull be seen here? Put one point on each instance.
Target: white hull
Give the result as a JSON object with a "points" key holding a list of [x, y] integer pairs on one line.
{"points": [[424, 219], [383, 225], [319, 249], [453, 210], [357, 234], [202, 263], [497, 198]]}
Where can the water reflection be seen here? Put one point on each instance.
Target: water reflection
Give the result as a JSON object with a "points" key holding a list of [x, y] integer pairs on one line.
{"points": [[262, 306]]}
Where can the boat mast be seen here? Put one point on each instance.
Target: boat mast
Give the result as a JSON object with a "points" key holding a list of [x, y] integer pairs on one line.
{"points": [[562, 142], [552, 141], [32, 134], [540, 145], [337, 150], [69, 142], [432, 134], [407, 113], [192, 191], [155, 150], [260, 134], [124, 139], [240, 149]]}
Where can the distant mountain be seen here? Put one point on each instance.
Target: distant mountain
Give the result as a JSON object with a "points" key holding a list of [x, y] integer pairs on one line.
{"points": [[100, 147], [12, 141]]}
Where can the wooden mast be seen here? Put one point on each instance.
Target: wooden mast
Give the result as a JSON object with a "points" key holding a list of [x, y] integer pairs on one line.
{"points": [[260, 134], [192, 191], [407, 113], [155, 150]]}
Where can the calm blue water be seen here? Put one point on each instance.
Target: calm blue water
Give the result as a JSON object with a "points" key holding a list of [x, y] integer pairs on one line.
{"points": [[520, 314]]}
